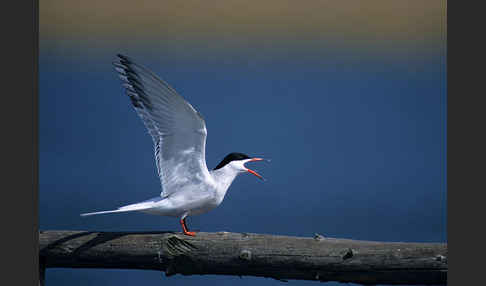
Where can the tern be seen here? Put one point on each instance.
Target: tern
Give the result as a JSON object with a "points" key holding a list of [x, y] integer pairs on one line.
{"points": [[179, 135]]}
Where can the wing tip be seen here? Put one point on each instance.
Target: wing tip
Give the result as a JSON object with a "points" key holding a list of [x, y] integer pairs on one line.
{"points": [[124, 59]]}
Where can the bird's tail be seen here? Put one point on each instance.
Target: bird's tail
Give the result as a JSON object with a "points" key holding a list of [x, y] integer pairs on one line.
{"points": [[129, 208], [105, 212]]}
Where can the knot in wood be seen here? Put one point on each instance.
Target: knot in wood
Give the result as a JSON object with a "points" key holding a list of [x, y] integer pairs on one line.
{"points": [[175, 246], [441, 258], [318, 237], [350, 253], [245, 255]]}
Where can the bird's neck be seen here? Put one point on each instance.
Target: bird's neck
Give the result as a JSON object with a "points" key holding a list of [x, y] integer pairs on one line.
{"points": [[223, 178]]}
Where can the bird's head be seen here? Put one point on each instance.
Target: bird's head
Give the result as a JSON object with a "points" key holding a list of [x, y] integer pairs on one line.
{"points": [[237, 161]]}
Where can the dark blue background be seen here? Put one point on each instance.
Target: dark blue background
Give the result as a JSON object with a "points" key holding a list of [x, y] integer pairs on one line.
{"points": [[357, 147]]}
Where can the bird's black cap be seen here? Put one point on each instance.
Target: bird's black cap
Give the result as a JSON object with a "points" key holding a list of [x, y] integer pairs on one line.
{"points": [[231, 157]]}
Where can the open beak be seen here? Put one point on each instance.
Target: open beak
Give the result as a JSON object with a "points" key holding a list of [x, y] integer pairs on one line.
{"points": [[253, 172]]}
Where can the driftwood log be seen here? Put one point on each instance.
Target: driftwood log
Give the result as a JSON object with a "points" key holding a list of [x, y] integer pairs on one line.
{"points": [[279, 257]]}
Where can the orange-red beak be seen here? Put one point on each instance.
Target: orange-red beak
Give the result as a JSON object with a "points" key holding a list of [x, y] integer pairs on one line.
{"points": [[253, 172]]}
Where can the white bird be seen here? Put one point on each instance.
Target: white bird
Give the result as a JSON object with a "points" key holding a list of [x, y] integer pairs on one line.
{"points": [[179, 135]]}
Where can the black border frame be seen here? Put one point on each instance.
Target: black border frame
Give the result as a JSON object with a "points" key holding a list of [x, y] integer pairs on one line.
{"points": [[19, 117], [465, 183]]}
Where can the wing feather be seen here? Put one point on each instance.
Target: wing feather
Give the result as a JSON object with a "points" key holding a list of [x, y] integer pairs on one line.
{"points": [[177, 129]]}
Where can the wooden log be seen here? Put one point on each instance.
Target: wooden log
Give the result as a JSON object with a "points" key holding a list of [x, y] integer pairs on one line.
{"points": [[275, 256]]}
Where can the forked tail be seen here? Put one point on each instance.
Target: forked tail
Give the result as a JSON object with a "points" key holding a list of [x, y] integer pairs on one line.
{"points": [[129, 208], [106, 212]]}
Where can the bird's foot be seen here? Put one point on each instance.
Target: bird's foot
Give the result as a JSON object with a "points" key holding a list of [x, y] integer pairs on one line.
{"points": [[190, 233]]}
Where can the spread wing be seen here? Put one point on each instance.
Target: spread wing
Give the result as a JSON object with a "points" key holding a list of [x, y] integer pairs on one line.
{"points": [[177, 129]]}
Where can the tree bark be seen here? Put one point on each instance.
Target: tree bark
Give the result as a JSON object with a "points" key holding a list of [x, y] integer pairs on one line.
{"points": [[279, 257]]}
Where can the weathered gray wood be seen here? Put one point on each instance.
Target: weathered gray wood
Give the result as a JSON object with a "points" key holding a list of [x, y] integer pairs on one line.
{"points": [[279, 257]]}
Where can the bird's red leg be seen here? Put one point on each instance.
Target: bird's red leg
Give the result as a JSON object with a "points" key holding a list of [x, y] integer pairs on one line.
{"points": [[184, 228]]}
